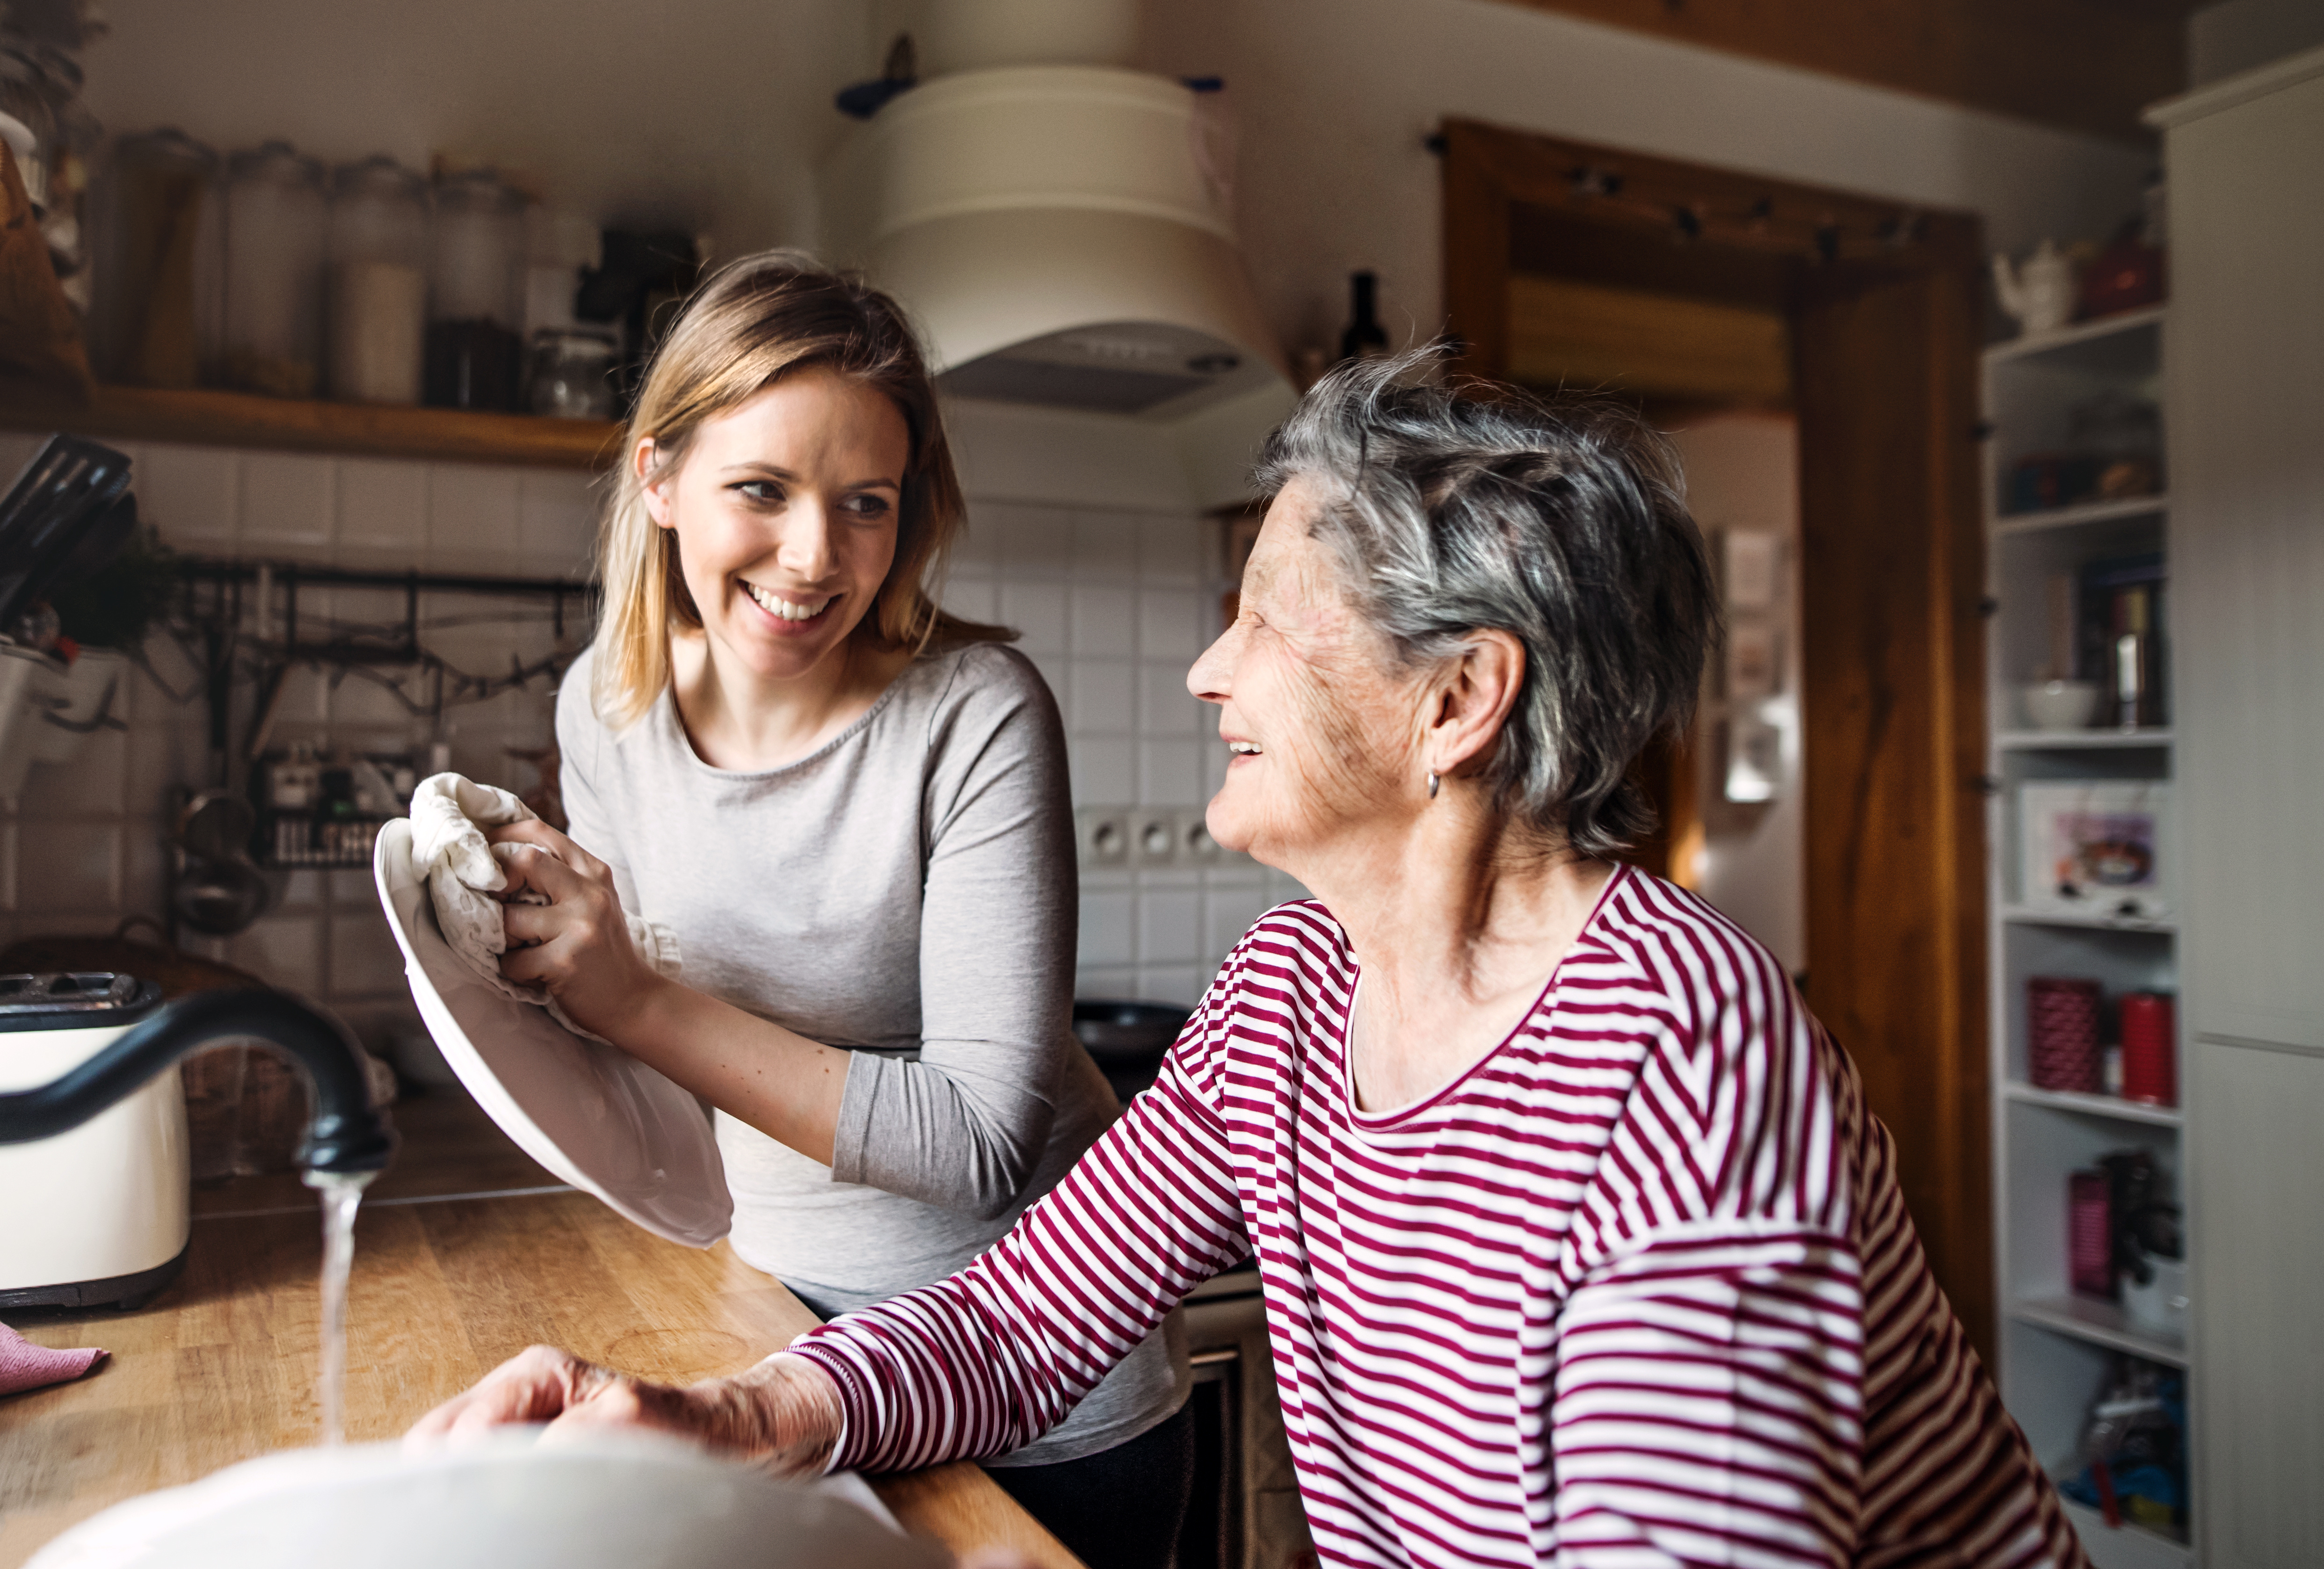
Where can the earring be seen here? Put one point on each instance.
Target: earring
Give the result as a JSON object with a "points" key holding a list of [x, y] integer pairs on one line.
{"points": [[1432, 784]]}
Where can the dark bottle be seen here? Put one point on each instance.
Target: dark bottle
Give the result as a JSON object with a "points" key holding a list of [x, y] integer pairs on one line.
{"points": [[1364, 338]]}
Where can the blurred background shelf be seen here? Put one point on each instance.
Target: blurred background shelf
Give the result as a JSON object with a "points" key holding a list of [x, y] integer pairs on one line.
{"points": [[2100, 1324], [242, 419], [2091, 741], [2078, 516], [2102, 1105], [2025, 915]]}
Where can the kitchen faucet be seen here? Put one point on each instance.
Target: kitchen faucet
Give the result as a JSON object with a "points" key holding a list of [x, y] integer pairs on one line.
{"points": [[346, 1133]]}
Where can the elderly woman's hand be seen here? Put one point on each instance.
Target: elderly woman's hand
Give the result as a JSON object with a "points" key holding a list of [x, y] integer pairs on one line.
{"points": [[783, 1414], [572, 936]]}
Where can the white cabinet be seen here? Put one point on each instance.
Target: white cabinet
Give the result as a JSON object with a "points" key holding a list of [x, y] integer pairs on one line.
{"points": [[2245, 160]]}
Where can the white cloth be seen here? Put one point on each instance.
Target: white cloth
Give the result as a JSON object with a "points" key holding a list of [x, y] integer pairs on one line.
{"points": [[463, 873]]}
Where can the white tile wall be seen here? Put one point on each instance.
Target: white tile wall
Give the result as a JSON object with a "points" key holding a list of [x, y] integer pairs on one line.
{"points": [[1113, 606]]}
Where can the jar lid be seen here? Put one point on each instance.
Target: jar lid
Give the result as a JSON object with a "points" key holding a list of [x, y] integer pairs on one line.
{"points": [[168, 145], [381, 174], [478, 190], [276, 161], [73, 999]]}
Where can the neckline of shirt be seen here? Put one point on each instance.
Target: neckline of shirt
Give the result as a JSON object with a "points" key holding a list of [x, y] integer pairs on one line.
{"points": [[1390, 1120], [674, 726]]}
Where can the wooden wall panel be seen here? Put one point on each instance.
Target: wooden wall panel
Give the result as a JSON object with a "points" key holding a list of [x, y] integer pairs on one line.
{"points": [[1589, 337], [2088, 64], [1891, 580]]}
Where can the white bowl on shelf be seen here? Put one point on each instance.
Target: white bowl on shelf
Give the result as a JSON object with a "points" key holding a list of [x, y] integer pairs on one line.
{"points": [[2059, 706]]}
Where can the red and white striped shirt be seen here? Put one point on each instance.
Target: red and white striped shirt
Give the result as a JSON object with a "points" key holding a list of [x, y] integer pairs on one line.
{"points": [[1638, 1288]]}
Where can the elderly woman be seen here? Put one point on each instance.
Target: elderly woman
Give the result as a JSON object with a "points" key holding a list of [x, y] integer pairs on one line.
{"points": [[1579, 1244]]}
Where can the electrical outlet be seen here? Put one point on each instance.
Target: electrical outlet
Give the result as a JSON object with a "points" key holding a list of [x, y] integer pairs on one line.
{"points": [[1196, 848], [1101, 836], [1154, 837]]}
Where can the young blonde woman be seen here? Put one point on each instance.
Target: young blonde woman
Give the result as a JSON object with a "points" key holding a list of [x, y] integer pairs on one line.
{"points": [[852, 808]]}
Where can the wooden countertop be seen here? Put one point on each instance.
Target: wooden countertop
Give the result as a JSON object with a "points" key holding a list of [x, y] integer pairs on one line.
{"points": [[465, 1253]]}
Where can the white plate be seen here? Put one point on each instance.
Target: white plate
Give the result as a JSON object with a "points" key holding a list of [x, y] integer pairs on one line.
{"points": [[597, 1117], [626, 1502]]}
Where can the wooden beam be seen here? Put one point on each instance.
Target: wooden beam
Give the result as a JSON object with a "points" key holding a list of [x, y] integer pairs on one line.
{"points": [[2090, 65]]}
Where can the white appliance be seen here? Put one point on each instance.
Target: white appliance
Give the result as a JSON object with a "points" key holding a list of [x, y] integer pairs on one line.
{"points": [[1062, 230], [98, 1215]]}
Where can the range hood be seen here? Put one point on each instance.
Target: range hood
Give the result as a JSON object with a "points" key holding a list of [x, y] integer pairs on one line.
{"points": [[1062, 233]]}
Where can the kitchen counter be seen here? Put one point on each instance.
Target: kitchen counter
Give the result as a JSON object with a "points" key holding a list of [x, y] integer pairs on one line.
{"points": [[465, 1253]]}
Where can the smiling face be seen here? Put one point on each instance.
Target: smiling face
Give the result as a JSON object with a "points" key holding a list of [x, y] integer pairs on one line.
{"points": [[1325, 727], [786, 510]]}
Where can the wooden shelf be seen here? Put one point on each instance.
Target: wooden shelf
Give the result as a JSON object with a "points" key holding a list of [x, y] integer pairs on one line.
{"points": [[2080, 514], [2027, 915], [208, 418], [2100, 1324], [2080, 741], [2099, 1106]]}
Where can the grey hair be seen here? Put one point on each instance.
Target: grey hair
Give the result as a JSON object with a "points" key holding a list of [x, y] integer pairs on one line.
{"points": [[1562, 523]]}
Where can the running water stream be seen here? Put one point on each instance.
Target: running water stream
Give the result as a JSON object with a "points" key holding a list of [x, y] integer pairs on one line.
{"points": [[342, 1192]]}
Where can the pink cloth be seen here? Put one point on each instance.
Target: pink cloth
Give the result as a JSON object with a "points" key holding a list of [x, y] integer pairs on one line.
{"points": [[26, 1366]]}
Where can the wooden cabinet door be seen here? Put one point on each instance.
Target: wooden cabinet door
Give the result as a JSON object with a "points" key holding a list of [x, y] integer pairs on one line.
{"points": [[1892, 570]]}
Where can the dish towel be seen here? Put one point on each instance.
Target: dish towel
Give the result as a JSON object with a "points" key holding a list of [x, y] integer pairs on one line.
{"points": [[25, 1366], [449, 853]]}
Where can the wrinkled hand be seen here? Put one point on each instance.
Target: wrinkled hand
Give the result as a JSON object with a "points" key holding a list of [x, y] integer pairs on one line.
{"points": [[577, 945], [783, 1414]]}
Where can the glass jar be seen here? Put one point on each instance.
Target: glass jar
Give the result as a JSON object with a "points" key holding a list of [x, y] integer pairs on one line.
{"points": [[274, 212], [474, 304], [156, 231], [378, 294], [65, 225], [573, 373], [25, 98]]}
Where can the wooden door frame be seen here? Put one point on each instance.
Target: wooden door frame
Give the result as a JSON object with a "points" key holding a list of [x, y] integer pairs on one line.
{"points": [[1892, 705]]}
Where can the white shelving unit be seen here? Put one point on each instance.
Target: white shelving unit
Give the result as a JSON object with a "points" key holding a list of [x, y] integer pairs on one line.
{"points": [[2055, 1348]]}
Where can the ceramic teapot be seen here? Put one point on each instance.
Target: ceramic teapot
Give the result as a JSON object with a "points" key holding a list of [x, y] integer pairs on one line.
{"points": [[2041, 293]]}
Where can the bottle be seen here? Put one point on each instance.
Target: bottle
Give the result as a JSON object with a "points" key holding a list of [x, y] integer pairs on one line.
{"points": [[1364, 338]]}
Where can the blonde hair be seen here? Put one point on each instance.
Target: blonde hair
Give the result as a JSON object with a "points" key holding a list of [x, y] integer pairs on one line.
{"points": [[756, 321]]}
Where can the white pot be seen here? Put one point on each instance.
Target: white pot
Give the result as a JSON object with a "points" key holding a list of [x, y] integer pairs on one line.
{"points": [[74, 699]]}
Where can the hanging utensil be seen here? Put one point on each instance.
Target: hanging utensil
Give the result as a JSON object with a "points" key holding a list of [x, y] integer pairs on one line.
{"points": [[218, 889], [68, 490]]}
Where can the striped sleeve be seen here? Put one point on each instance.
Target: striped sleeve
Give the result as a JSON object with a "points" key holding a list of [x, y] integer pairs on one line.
{"points": [[988, 1359], [1708, 1403]]}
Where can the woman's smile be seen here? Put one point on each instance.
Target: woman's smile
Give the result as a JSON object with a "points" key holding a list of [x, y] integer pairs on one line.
{"points": [[789, 610]]}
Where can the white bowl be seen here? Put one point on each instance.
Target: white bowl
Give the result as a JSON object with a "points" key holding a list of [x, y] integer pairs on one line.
{"points": [[504, 1503], [2060, 705]]}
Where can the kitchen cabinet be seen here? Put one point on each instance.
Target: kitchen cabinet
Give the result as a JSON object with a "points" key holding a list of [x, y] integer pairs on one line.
{"points": [[2244, 380]]}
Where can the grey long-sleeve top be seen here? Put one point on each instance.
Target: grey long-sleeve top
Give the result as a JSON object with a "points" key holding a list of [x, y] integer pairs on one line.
{"points": [[906, 891]]}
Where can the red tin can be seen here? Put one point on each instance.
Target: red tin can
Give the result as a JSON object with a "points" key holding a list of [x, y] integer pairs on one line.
{"points": [[2090, 1233], [2062, 1033], [2150, 1048]]}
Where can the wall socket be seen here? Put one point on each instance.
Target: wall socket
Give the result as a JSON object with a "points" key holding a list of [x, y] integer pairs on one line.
{"points": [[1144, 835]]}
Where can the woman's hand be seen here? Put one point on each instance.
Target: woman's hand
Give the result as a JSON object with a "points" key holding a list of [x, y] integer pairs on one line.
{"points": [[783, 1414], [577, 945]]}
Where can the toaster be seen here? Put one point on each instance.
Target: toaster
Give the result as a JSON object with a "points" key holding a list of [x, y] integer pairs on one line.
{"points": [[98, 1215]]}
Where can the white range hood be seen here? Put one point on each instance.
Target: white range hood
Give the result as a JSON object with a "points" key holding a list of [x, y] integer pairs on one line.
{"points": [[1062, 233]]}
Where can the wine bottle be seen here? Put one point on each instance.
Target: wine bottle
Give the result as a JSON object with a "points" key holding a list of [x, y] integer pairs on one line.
{"points": [[1364, 338]]}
